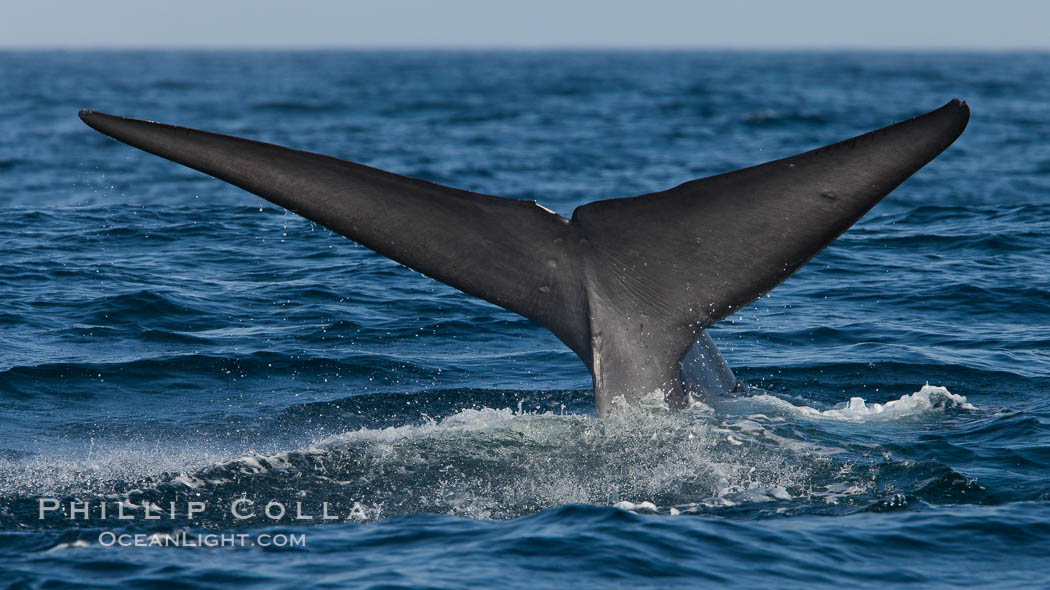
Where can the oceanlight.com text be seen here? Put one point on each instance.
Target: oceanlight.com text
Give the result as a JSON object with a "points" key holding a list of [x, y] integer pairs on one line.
{"points": [[184, 539]]}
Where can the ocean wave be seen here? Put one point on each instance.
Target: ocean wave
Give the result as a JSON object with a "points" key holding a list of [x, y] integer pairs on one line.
{"points": [[242, 364]]}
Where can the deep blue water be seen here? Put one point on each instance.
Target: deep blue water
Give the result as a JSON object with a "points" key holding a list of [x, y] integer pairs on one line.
{"points": [[165, 337]]}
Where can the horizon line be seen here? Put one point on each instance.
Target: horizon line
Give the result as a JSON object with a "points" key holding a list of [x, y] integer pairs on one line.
{"points": [[540, 48]]}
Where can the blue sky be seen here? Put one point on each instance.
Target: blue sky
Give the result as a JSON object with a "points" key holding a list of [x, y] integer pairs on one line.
{"points": [[885, 24]]}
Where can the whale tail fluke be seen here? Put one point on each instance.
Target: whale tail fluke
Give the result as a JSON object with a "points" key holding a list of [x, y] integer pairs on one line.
{"points": [[628, 284]]}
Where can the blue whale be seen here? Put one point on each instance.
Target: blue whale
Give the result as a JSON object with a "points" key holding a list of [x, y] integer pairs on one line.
{"points": [[629, 284]]}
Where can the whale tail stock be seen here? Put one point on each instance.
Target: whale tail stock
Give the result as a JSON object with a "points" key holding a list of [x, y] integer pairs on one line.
{"points": [[628, 284]]}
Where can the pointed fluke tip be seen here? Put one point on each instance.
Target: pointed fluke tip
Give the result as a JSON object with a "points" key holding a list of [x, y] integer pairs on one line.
{"points": [[93, 118], [958, 106], [959, 112], [942, 125], [97, 119], [88, 115]]}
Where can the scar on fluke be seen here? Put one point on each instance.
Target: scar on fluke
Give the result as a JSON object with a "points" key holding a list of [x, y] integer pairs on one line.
{"points": [[629, 284]]}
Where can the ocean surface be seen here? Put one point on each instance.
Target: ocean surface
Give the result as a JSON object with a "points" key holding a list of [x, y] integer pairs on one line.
{"points": [[183, 353]]}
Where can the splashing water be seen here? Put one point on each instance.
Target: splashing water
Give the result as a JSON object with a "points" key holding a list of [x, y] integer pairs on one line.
{"points": [[929, 398], [500, 463]]}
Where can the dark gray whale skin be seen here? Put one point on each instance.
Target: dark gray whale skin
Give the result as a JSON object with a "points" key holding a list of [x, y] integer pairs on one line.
{"points": [[628, 284]]}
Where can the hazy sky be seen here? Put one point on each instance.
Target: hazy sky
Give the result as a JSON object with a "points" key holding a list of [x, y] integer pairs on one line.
{"points": [[998, 24]]}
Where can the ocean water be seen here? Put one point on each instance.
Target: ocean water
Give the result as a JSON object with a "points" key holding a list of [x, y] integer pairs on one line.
{"points": [[167, 340]]}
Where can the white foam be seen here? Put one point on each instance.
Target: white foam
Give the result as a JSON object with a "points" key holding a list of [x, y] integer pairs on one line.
{"points": [[78, 544], [499, 463], [648, 507], [928, 399], [58, 473]]}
